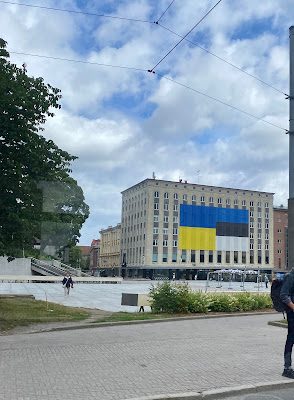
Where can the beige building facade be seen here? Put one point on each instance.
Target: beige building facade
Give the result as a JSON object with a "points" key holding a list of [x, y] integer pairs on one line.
{"points": [[110, 250], [169, 227]]}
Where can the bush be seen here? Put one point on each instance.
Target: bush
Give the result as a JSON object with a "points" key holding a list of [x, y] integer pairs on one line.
{"points": [[198, 303], [170, 298]]}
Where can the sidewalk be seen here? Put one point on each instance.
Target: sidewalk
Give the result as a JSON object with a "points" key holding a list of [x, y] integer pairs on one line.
{"points": [[133, 361]]}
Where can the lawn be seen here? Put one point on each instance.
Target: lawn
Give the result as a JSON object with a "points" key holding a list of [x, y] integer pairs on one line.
{"points": [[22, 312]]}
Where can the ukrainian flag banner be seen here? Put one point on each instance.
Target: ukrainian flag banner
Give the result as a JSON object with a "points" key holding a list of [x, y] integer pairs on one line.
{"points": [[213, 228]]}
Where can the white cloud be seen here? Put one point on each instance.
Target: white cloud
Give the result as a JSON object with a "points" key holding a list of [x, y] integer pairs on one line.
{"points": [[123, 125]]}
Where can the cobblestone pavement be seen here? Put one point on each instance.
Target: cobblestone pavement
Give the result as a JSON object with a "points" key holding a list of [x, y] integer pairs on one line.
{"points": [[123, 362], [281, 394]]}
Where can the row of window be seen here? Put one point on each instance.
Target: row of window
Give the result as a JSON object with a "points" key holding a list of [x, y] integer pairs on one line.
{"points": [[165, 231], [266, 246], [251, 214], [211, 199], [165, 219], [266, 235], [258, 225], [210, 258]]}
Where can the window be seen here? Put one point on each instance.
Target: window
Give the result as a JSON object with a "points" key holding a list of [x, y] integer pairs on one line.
{"points": [[251, 213], [259, 235], [156, 194], [266, 205], [279, 251], [202, 256], [210, 200], [251, 246], [155, 242], [266, 225], [279, 219], [175, 207], [219, 200], [235, 202], [156, 206], [175, 231], [259, 246], [266, 236], [251, 203], [175, 220], [166, 195], [165, 231], [243, 203], [259, 225], [164, 243], [175, 196], [154, 257], [228, 202], [175, 243], [166, 207], [251, 224], [279, 240], [259, 204], [202, 199], [194, 198], [164, 257], [165, 218], [155, 231], [155, 218], [185, 197], [279, 230], [174, 257], [266, 247], [267, 215], [251, 235], [259, 214]]}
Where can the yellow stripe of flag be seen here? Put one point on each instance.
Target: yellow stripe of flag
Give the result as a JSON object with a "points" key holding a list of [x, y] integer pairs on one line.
{"points": [[197, 238]]}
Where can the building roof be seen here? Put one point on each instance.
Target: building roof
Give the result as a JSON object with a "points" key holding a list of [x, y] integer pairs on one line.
{"points": [[95, 241], [85, 250], [184, 182]]}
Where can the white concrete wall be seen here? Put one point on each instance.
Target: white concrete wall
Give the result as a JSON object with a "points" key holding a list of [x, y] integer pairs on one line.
{"points": [[19, 266]]}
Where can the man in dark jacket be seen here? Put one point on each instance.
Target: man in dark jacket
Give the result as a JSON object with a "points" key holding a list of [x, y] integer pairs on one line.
{"points": [[67, 283], [287, 296]]}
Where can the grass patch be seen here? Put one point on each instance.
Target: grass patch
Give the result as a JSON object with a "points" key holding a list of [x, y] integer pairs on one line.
{"points": [[125, 316], [23, 312], [283, 321]]}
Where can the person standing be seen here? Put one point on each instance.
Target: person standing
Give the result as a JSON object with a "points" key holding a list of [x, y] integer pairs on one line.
{"points": [[67, 283], [287, 297], [266, 281]]}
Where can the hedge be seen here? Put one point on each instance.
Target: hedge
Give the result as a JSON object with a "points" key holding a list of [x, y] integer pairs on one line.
{"points": [[180, 299]]}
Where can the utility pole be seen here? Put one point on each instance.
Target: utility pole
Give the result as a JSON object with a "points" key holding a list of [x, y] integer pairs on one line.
{"points": [[291, 155]]}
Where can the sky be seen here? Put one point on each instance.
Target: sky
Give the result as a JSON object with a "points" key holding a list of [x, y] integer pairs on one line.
{"points": [[125, 124]]}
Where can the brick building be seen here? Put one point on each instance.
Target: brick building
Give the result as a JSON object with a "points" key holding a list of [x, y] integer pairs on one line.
{"points": [[280, 238]]}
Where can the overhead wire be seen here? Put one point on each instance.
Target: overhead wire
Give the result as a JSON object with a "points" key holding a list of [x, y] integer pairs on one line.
{"points": [[151, 70], [222, 59], [76, 12], [149, 22], [156, 73], [164, 12], [78, 61], [220, 101]]}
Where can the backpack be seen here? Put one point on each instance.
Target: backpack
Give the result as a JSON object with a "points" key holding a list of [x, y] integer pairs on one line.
{"points": [[275, 295]]}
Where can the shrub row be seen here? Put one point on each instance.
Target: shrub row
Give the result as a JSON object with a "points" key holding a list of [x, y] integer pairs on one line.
{"points": [[179, 298]]}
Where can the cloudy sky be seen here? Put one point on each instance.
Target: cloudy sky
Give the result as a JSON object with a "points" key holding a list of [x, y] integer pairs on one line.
{"points": [[124, 124]]}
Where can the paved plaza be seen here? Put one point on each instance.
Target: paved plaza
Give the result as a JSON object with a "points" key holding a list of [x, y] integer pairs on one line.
{"points": [[106, 296], [125, 362]]}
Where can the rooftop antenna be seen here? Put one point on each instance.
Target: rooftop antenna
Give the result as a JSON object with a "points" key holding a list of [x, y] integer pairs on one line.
{"points": [[153, 175], [198, 173]]}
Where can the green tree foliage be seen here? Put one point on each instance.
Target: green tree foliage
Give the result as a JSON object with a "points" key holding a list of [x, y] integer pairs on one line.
{"points": [[75, 256], [28, 162]]}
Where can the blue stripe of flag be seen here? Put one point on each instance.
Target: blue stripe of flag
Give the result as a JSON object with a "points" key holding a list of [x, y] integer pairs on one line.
{"points": [[207, 217]]}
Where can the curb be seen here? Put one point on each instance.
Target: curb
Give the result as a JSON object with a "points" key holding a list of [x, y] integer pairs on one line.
{"points": [[223, 392], [148, 321]]}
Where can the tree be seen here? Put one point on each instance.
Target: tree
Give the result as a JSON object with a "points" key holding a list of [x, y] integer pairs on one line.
{"points": [[75, 256], [29, 162]]}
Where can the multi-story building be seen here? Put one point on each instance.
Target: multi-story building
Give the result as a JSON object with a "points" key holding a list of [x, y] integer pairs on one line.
{"points": [[110, 250], [94, 257], [281, 238], [177, 227]]}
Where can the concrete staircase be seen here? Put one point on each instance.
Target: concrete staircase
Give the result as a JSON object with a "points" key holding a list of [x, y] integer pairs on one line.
{"points": [[53, 268]]}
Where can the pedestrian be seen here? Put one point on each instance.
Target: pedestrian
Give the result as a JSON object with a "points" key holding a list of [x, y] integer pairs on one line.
{"points": [[67, 283], [287, 296], [266, 281], [174, 276]]}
